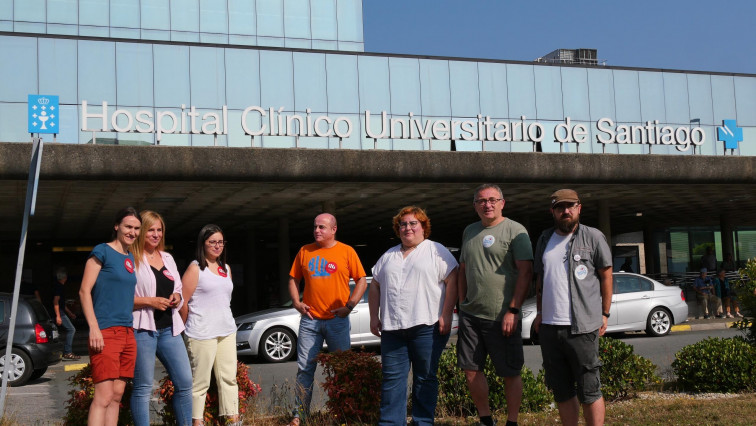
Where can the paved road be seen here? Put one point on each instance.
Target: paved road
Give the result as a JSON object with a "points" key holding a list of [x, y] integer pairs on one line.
{"points": [[42, 401]]}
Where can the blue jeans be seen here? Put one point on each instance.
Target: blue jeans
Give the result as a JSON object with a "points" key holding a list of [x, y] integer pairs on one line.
{"points": [[312, 332], [171, 351], [70, 331], [421, 346]]}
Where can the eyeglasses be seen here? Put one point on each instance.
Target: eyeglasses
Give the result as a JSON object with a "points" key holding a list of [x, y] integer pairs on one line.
{"points": [[410, 224], [218, 243], [492, 201], [565, 206]]}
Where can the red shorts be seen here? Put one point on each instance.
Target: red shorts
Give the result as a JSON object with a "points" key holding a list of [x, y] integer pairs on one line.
{"points": [[118, 356]]}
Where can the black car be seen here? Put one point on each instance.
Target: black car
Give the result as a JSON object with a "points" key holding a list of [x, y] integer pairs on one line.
{"points": [[36, 344]]}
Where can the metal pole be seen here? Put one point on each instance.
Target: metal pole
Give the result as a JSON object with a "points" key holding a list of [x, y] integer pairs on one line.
{"points": [[31, 197]]}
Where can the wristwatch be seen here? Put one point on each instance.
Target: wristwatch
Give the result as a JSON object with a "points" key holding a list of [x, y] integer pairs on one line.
{"points": [[606, 314], [514, 310], [349, 306]]}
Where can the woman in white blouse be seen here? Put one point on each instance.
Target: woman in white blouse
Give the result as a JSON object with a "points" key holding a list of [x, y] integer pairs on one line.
{"points": [[411, 300]]}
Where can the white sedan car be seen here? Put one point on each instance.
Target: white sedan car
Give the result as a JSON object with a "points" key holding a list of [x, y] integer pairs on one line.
{"points": [[638, 304], [272, 333]]}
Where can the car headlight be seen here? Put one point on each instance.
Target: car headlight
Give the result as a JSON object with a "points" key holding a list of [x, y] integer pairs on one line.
{"points": [[246, 326]]}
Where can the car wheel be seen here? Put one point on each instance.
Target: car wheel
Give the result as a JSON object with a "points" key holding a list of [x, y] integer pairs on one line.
{"points": [[21, 367], [659, 322], [278, 345], [38, 373]]}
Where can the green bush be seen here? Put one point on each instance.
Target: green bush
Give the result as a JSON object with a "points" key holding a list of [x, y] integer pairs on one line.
{"points": [[353, 386], [623, 373], [454, 397], [745, 288], [716, 365], [82, 393]]}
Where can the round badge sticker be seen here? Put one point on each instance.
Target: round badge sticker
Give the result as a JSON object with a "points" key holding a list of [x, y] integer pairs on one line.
{"points": [[576, 257], [167, 274], [581, 272], [222, 272], [331, 267], [129, 265], [488, 241]]}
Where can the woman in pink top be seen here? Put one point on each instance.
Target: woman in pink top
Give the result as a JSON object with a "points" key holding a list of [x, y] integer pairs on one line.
{"points": [[157, 324]]}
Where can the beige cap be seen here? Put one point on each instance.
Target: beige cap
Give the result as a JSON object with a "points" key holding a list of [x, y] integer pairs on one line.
{"points": [[564, 195]]}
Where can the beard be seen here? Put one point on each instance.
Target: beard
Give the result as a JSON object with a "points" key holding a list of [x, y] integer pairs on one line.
{"points": [[566, 224]]}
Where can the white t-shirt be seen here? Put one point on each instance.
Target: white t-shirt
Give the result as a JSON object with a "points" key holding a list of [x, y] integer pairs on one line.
{"points": [[412, 287], [210, 314], [555, 301]]}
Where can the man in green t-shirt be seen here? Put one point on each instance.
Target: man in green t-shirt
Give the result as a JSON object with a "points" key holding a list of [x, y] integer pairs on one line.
{"points": [[495, 270]]}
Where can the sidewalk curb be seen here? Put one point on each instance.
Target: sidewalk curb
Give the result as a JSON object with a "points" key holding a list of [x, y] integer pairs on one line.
{"points": [[696, 327]]}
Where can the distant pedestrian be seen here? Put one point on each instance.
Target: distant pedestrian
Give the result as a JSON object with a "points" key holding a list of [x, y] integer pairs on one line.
{"points": [[107, 299], [63, 315], [704, 288]]}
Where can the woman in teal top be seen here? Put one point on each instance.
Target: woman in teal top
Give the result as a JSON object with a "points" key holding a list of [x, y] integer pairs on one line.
{"points": [[107, 299]]}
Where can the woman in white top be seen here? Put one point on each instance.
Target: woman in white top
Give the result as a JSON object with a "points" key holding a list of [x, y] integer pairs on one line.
{"points": [[415, 288], [210, 327]]}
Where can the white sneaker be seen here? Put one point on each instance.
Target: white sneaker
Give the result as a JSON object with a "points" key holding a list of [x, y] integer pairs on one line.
{"points": [[738, 314], [729, 315]]}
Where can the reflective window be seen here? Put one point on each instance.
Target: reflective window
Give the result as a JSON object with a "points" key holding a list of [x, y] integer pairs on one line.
{"points": [[405, 86], [241, 17], [343, 86], [155, 15], [207, 75], [492, 83], [63, 11], [349, 46], [6, 11], [627, 96], [463, 81], [297, 18], [29, 10], [69, 124], [242, 78], [375, 93], [699, 92], [434, 88], [171, 76], [323, 19], [349, 16], [94, 12], [298, 43], [309, 82], [270, 18], [575, 93], [134, 74], [745, 100], [213, 16], [124, 13], [97, 72], [723, 98], [548, 90], [601, 95], [676, 98], [57, 71], [10, 117], [185, 15], [651, 86], [276, 80], [65, 29], [521, 89]]}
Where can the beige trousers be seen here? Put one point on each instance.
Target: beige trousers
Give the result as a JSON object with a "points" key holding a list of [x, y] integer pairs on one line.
{"points": [[218, 354]]}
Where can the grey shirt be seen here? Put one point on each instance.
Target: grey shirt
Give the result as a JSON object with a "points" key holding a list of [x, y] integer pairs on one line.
{"points": [[588, 252]]}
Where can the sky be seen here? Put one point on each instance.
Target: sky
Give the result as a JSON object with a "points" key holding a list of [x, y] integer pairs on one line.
{"points": [[718, 36]]}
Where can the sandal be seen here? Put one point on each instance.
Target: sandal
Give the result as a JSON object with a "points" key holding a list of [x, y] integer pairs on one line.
{"points": [[71, 356]]}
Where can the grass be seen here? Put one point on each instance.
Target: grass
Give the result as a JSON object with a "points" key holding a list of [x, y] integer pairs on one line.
{"points": [[651, 408]]}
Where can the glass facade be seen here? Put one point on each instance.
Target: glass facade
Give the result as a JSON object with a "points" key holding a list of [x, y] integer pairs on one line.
{"points": [[189, 79]]}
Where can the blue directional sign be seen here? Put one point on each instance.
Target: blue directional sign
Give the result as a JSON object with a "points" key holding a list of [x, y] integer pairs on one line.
{"points": [[43, 114], [730, 134]]}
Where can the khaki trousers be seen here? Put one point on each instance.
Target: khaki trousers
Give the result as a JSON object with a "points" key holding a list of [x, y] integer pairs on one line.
{"points": [[218, 355]]}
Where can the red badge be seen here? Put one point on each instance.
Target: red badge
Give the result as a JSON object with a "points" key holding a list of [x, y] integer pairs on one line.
{"points": [[129, 265], [222, 272], [167, 274], [331, 267]]}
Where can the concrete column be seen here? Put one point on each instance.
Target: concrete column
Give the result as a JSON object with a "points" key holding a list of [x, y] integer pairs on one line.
{"points": [[329, 206], [284, 262], [604, 220], [253, 294], [650, 250], [726, 228]]}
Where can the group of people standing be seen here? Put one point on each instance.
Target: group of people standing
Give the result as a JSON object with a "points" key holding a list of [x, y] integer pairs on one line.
{"points": [[137, 306], [417, 283]]}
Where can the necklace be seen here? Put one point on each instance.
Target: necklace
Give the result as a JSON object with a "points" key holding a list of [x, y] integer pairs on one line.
{"points": [[406, 249]]}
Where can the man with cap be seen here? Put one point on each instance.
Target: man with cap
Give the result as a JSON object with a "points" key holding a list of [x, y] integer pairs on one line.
{"points": [[495, 271], [573, 265], [704, 289]]}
